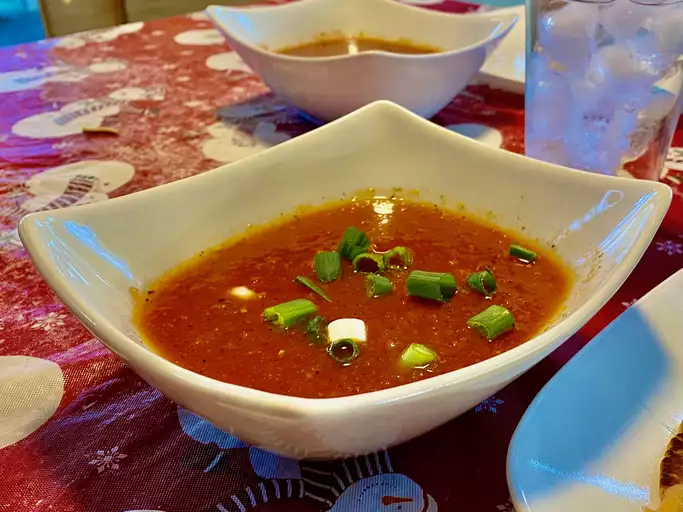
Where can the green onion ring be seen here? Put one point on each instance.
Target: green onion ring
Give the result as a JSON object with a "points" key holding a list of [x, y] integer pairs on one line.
{"points": [[417, 355], [369, 263], [483, 282], [522, 253], [327, 266], [289, 313], [353, 243], [492, 322], [431, 285], [376, 286], [344, 351]]}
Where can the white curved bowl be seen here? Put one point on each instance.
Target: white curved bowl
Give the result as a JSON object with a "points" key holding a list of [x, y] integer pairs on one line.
{"points": [[330, 87], [594, 437], [91, 255]]}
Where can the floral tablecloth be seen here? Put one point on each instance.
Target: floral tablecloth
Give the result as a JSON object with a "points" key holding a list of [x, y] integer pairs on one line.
{"points": [[78, 430]]}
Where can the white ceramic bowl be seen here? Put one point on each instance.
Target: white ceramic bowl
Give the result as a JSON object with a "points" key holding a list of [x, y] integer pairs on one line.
{"points": [[330, 87], [91, 255], [594, 437]]}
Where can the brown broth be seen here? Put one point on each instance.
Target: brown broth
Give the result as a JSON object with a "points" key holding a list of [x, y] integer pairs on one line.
{"points": [[330, 46], [191, 318]]}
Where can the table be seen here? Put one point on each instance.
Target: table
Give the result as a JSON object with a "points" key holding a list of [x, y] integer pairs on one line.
{"points": [[81, 432]]}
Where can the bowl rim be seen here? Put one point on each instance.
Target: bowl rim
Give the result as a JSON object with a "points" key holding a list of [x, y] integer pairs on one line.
{"points": [[291, 406], [507, 19]]}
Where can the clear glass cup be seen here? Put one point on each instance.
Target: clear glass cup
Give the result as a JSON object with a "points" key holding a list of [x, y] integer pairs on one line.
{"points": [[603, 84]]}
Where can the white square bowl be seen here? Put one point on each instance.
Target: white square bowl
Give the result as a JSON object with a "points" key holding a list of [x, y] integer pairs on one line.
{"points": [[91, 255]]}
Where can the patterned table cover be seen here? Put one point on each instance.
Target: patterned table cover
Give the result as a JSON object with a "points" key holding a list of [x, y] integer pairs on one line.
{"points": [[79, 431]]}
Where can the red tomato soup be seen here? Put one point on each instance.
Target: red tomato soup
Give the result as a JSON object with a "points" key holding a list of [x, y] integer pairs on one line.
{"points": [[208, 314]]}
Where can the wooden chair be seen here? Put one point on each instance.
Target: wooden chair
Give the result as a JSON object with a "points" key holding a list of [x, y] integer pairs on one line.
{"points": [[143, 10], [62, 17]]}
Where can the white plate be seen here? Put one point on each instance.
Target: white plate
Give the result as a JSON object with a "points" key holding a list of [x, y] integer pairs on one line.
{"points": [[504, 68], [593, 438]]}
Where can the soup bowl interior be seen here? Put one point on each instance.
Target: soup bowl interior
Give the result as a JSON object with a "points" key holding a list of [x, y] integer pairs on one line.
{"points": [[93, 255], [337, 85]]}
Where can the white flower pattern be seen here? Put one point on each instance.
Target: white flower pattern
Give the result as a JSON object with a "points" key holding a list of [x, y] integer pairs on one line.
{"points": [[109, 459], [49, 321], [670, 247]]}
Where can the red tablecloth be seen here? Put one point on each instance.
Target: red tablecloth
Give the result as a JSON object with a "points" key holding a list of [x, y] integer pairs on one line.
{"points": [[78, 430]]}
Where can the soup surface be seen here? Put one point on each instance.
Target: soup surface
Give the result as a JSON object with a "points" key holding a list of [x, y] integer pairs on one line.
{"points": [[330, 46], [208, 314]]}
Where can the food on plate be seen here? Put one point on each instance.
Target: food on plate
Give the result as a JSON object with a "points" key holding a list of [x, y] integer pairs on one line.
{"points": [[351, 297], [671, 476], [328, 46]]}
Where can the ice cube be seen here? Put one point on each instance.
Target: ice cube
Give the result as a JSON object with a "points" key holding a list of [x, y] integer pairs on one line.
{"points": [[590, 144], [666, 29], [622, 19], [547, 98], [620, 70], [567, 34]]}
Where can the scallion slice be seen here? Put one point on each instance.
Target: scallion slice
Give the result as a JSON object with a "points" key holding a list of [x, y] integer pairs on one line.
{"points": [[398, 258], [316, 330], [522, 253], [354, 242], [417, 355], [343, 351], [431, 285], [327, 266], [305, 281], [483, 282], [369, 263], [289, 313], [492, 322], [376, 286]]}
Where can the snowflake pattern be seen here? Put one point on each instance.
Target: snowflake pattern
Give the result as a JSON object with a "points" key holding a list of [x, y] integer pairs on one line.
{"points": [[490, 404], [107, 459], [506, 507], [49, 321], [670, 247]]}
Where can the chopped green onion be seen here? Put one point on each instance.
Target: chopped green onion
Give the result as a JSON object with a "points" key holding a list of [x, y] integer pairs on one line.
{"points": [[492, 322], [354, 242], [316, 329], [522, 253], [369, 263], [343, 351], [327, 266], [431, 285], [290, 313], [483, 282], [347, 328], [377, 286], [304, 281], [417, 355], [399, 258]]}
